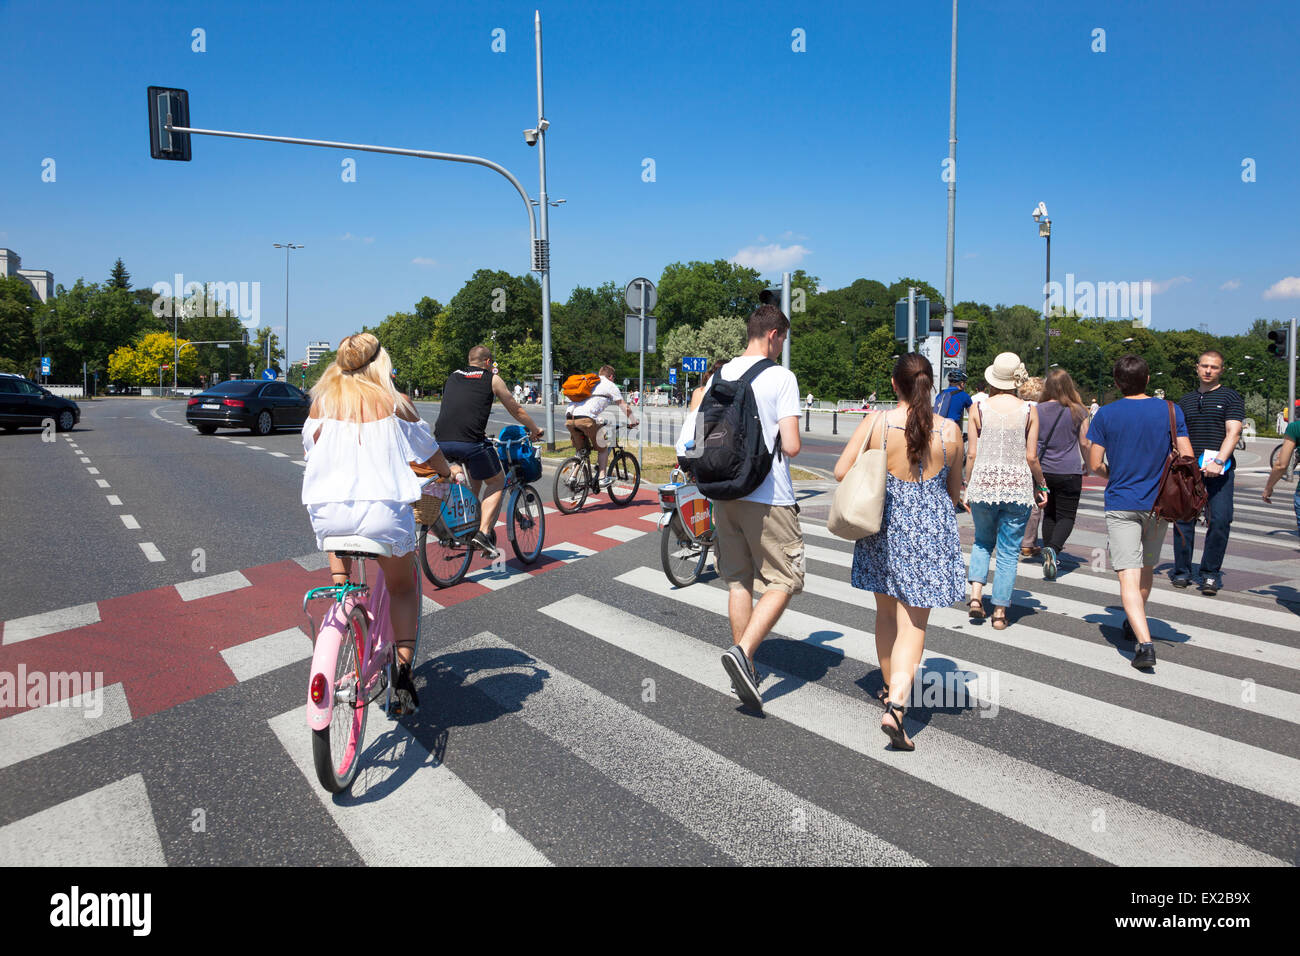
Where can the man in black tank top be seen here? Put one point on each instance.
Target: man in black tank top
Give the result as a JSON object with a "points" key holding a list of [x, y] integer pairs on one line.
{"points": [[461, 433]]}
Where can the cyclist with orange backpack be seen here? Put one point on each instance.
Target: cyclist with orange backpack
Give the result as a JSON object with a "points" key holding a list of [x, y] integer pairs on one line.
{"points": [[588, 396]]}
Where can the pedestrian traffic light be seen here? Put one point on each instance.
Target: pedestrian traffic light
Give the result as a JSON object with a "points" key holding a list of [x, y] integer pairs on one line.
{"points": [[164, 103], [1278, 345]]}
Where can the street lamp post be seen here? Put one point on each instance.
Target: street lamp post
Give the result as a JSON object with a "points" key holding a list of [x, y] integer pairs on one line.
{"points": [[1045, 231], [286, 246]]}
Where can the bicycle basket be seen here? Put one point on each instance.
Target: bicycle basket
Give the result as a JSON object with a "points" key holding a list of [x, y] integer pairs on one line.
{"points": [[517, 452]]}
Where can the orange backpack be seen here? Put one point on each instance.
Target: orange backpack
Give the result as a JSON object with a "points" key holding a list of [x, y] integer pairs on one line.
{"points": [[578, 388]]}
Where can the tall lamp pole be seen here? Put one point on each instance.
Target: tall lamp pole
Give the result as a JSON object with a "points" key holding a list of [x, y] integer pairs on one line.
{"points": [[1045, 230], [542, 248], [286, 246], [952, 185]]}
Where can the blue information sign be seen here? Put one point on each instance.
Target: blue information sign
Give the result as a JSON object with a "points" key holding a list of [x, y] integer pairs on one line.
{"points": [[694, 364], [952, 346], [672, 376], [45, 365], [269, 374]]}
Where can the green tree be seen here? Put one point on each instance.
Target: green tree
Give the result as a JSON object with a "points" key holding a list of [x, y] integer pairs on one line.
{"points": [[520, 361], [681, 342], [17, 334], [587, 332], [694, 291], [494, 309], [119, 278]]}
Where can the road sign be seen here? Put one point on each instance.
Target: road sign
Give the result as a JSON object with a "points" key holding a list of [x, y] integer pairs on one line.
{"points": [[633, 295], [45, 365], [672, 376], [269, 374], [922, 318], [627, 382], [632, 332], [495, 370], [695, 364], [952, 346]]}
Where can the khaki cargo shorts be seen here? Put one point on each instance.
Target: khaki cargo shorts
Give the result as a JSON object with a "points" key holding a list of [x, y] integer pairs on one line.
{"points": [[1135, 539], [759, 546], [582, 431]]}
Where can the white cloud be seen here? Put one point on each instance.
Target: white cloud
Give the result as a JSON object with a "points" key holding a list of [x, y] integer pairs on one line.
{"points": [[422, 261], [347, 236], [1288, 288], [788, 235], [1230, 285], [1164, 285], [771, 256]]}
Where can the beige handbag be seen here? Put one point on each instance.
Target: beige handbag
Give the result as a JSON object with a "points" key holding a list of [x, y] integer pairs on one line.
{"points": [[859, 502]]}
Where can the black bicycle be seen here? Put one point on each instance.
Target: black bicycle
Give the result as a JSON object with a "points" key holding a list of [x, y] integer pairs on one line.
{"points": [[576, 479], [1274, 458]]}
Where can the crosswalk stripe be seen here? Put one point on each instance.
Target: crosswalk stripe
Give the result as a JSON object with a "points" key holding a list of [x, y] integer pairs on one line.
{"points": [[42, 729], [1056, 806], [620, 533], [111, 826], [50, 622], [655, 516], [1252, 502], [434, 820], [1237, 763], [211, 585], [489, 578], [1098, 540], [1045, 601], [1239, 533], [686, 781], [265, 654], [1222, 689]]}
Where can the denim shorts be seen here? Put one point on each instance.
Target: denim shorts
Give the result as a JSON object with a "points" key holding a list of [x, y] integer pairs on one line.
{"points": [[479, 458]]}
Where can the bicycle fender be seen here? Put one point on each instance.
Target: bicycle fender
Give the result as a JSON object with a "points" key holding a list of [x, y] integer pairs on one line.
{"points": [[323, 659]]}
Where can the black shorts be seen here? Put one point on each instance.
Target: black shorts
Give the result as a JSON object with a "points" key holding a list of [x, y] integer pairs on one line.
{"points": [[479, 458]]}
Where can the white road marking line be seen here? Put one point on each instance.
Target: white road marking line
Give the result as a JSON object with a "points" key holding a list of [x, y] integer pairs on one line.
{"points": [[111, 826], [302, 463], [442, 821], [113, 500], [102, 483], [43, 729], [50, 622], [316, 561], [234, 442], [1054, 805], [254, 447], [654, 516], [130, 522], [151, 551], [428, 605], [265, 654], [1240, 764], [85, 461], [620, 533], [565, 552], [681, 778], [277, 454], [93, 471], [212, 584]]}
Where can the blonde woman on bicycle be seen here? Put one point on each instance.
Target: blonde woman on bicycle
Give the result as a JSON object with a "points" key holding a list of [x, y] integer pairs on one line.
{"points": [[360, 441]]}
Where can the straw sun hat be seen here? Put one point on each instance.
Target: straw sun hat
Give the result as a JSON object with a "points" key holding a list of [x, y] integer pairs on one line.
{"points": [[1007, 372]]}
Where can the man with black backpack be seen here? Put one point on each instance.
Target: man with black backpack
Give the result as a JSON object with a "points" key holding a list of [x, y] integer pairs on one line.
{"points": [[747, 429]]}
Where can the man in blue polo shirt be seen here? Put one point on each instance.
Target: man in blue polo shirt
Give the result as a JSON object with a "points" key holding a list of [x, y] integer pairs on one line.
{"points": [[953, 401], [1132, 435]]}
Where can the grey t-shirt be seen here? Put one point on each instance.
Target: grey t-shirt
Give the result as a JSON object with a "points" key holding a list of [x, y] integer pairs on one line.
{"points": [[1058, 440]]}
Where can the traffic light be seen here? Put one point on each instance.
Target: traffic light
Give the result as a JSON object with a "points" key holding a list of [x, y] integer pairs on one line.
{"points": [[164, 102], [1277, 343]]}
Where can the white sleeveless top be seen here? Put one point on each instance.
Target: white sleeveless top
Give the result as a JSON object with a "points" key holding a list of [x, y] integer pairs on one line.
{"points": [[1001, 474], [364, 461]]}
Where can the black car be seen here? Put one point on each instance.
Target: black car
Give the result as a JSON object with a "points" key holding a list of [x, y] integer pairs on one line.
{"points": [[23, 403], [261, 407]]}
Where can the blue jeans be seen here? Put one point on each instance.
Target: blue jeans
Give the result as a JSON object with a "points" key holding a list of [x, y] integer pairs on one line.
{"points": [[1218, 514], [1297, 507], [1001, 525]]}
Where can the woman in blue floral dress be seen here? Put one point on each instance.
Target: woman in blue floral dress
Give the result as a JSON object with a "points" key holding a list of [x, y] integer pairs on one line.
{"points": [[914, 563]]}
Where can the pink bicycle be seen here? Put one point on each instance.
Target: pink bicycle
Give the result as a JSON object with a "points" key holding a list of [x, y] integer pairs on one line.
{"points": [[353, 663]]}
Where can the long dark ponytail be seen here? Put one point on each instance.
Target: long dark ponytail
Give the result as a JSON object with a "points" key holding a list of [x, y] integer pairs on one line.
{"points": [[914, 378]]}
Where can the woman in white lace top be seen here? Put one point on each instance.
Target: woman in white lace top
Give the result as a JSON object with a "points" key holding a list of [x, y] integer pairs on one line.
{"points": [[360, 441], [1003, 481]]}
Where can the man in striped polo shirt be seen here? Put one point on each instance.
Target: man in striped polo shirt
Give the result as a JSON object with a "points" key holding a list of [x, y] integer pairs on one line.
{"points": [[1214, 416]]}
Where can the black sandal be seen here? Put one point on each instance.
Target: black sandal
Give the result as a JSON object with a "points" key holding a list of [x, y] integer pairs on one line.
{"points": [[882, 695], [895, 734]]}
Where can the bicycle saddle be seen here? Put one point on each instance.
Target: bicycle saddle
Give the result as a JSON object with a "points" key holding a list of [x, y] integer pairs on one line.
{"points": [[355, 546]]}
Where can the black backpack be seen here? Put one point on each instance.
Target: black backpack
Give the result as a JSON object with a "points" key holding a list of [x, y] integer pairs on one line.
{"points": [[733, 457]]}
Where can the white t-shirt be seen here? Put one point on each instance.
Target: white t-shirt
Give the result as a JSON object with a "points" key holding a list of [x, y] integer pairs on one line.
{"points": [[604, 393], [355, 461], [777, 393], [979, 398]]}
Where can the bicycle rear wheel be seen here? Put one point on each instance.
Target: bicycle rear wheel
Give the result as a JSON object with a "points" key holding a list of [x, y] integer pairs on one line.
{"points": [[336, 749], [443, 562], [683, 559], [527, 523], [571, 481], [626, 472]]}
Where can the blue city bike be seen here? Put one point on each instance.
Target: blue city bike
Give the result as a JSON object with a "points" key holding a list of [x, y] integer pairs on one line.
{"points": [[448, 513]]}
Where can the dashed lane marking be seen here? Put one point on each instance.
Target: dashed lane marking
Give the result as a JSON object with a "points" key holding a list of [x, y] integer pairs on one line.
{"points": [[130, 522], [151, 551], [113, 500], [102, 483], [93, 471], [212, 584], [50, 622]]}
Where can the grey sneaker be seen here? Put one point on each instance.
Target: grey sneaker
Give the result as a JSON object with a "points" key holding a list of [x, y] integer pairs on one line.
{"points": [[1210, 584], [742, 675], [606, 481], [1181, 579], [1145, 658], [484, 544]]}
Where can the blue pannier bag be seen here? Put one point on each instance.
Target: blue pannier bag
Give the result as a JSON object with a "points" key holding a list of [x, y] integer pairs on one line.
{"points": [[517, 451]]}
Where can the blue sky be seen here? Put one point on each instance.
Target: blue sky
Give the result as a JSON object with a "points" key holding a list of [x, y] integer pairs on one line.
{"points": [[828, 160]]}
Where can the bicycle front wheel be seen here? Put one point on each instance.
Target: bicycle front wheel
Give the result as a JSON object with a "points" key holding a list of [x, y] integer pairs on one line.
{"points": [[527, 524], [683, 559], [626, 472], [336, 749], [443, 562], [571, 480]]}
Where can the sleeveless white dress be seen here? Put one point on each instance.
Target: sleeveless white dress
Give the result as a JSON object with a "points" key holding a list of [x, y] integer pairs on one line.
{"points": [[358, 479]]}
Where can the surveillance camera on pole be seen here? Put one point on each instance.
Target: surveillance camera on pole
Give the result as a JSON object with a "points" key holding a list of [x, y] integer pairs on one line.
{"points": [[530, 137]]}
